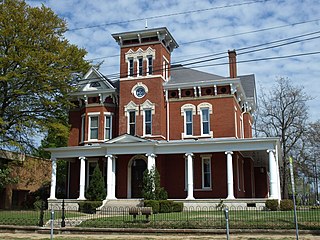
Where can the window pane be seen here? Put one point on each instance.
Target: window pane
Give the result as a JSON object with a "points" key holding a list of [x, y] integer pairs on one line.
{"points": [[94, 122], [132, 117], [189, 116], [148, 121], [148, 115], [205, 114], [148, 128], [140, 66], [108, 122], [94, 133], [206, 168], [206, 180], [205, 128], [189, 128]]}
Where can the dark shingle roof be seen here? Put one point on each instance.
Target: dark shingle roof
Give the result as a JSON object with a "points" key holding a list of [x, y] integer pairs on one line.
{"points": [[180, 74], [248, 84]]}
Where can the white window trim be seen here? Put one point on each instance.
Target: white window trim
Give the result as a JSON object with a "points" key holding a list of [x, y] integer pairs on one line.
{"points": [[203, 158], [89, 126], [185, 108], [128, 120], [148, 65], [210, 134], [138, 66], [139, 84], [144, 54], [144, 122], [185, 123], [108, 114], [129, 75], [83, 127]]}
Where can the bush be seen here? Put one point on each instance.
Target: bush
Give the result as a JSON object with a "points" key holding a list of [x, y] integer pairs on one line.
{"points": [[89, 206], [286, 205], [96, 190], [272, 204], [177, 207], [165, 206], [154, 204], [39, 204]]}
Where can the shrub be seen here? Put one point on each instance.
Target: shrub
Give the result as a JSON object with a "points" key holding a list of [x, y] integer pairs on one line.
{"points": [[154, 204], [96, 190], [177, 207], [165, 206], [286, 205], [272, 204], [151, 186], [89, 206]]}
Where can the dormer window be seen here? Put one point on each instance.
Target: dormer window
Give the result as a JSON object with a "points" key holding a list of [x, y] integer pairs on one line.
{"points": [[95, 84]]}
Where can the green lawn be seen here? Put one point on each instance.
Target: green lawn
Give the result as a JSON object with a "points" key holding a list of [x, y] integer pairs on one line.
{"points": [[246, 219], [30, 217], [213, 219]]}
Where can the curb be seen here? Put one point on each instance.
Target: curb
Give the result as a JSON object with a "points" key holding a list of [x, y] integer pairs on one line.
{"points": [[92, 231]]}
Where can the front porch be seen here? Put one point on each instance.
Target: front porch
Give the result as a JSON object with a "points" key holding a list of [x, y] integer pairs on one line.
{"points": [[190, 170]]}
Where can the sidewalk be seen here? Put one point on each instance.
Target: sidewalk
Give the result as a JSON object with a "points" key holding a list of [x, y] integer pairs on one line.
{"points": [[109, 236]]}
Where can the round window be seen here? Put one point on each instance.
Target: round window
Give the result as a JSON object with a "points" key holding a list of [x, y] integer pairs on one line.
{"points": [[140, 92]]}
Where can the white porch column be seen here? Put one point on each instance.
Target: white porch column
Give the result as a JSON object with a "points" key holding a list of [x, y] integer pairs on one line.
{"points": [[229, 175], [273, 174], [53, 179], [82, 178], [111, 177], [190, 175], [151, 160]]}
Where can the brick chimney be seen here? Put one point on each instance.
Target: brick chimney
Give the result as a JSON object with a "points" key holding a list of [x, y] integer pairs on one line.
{"points": [[232, 63]]}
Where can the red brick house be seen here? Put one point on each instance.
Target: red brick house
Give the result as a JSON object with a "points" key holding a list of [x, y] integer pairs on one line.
{"points": [[195, 127]]}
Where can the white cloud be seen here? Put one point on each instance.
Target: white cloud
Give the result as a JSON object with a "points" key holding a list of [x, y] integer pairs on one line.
{"points": [[203, 25]]}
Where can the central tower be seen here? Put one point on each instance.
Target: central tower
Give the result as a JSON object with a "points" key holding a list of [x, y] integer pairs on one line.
{"points": [[144, 66]]}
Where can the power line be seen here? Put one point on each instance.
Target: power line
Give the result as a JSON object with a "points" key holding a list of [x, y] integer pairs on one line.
{"points": [[115, 76], [170, 15], [226, 36], [249, 32], [261, 59]]}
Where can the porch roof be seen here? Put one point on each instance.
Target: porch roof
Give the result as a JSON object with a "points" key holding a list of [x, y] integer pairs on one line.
{"points": [[121, 146]]}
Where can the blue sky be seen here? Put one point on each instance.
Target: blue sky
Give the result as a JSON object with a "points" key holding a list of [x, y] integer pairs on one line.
{"points": [[229, 24]]}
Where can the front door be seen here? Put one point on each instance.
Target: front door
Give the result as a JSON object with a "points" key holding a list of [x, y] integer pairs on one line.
{"points": [[137, 169]]}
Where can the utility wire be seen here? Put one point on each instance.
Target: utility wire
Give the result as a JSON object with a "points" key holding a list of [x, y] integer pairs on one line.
{"points": [[170, 15], [226, 36]]}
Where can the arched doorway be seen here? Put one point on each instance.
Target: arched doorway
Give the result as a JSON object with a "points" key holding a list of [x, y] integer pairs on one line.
{"points": [[138, 166]]}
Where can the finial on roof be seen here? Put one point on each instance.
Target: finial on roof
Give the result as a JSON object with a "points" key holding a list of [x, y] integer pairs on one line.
{"points": [[146, 24]]}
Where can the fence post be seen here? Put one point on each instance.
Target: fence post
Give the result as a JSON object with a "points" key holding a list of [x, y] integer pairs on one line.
{"points": [[52, 222], [63, 223], [41, 214], [226, 213]]}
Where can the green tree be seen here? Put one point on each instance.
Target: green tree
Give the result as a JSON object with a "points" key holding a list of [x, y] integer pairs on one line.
{"points": [[38, 67], [152, 189], [5, 176], [96, 190]]}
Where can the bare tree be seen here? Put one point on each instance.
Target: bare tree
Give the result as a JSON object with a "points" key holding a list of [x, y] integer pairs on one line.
{"points": [[283, 113]]}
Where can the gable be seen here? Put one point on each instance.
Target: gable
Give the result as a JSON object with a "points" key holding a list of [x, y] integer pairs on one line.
{"points": [[94, 81], [126, 138]]}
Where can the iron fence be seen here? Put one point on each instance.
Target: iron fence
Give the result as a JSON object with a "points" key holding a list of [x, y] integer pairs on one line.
{"points": [[189, 218]]}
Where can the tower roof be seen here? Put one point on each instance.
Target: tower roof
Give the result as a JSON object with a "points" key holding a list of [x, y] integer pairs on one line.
{"points": [[146, 36]]}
